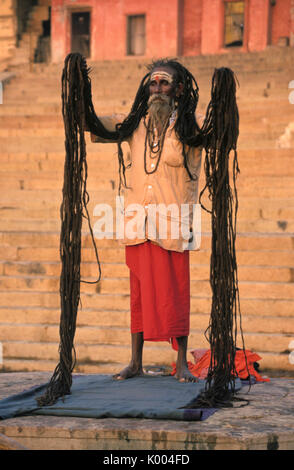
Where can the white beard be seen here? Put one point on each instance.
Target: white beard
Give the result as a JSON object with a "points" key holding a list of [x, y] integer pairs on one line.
{"points": [[160, 108]]}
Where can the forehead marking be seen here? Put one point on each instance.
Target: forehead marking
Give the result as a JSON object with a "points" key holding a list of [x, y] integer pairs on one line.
{"points": [[162, 75]]}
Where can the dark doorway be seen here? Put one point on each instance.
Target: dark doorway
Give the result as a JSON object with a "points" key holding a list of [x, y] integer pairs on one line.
{"points": [[43, 49], [136, 35], [234, 23], [80, 33]]}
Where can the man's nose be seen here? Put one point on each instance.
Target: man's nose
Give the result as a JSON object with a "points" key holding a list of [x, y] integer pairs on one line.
{"points": [[157, 88]]}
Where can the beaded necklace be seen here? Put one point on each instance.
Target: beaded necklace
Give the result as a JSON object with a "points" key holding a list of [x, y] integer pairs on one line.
{"points": [[155, 147]]}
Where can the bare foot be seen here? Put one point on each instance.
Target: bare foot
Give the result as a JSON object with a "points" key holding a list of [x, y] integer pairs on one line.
{"points": [[129, 372], [184, 375]]}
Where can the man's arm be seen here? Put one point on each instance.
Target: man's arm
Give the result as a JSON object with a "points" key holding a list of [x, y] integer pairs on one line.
{"points": [[109, 122], [200, 119]]}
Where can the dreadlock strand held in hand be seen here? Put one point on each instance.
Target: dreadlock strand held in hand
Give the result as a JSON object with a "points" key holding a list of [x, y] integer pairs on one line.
{"points": [[75, 199], [218, 136], [221, 133]]}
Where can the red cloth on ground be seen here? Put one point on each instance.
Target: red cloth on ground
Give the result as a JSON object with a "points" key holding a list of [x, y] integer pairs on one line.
{"points": [[202, 361], [159, 292]]}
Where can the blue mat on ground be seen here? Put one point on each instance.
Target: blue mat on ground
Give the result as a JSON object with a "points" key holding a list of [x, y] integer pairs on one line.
{"points": [[100, 396]]}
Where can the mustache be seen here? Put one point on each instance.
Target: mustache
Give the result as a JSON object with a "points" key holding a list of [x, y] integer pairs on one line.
{"points": [[159, 98]]}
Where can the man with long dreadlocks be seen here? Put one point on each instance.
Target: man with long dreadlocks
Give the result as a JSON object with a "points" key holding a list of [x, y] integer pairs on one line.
{"points": [[163, 174], [165, 141]]}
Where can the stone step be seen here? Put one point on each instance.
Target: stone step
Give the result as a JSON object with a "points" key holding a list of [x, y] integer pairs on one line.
{"points": [[108, 285], [97, 335], [21, 364], [103, 158], [35, 204], [123, 90], [259, 225], [95, 152], [270, 258], [260, 142], [263, 115], [104, 353], [119, 270], [126, 79], [201, 66], [247, 289], [199, 304], [21, 109], [262, 215], [268, 186], [268, 361], [268, 130], [44, 317], [244, 241]]}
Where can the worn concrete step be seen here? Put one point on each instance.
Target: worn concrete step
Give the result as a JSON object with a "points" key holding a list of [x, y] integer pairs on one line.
{"points": [[263, 116], [262, 127], [199, 304], [245, 241], [268, 361], [31, 207], [32, 365], [157, 355], [258, 219], [45, 317], [23, 193], [247, 289], [97, 335], [103, 159], [47, 225], [52, 182], [50, 189], [120, 270], [125, 82], [54, 138], [110, 255], [32, 144], [35, 109], [94, 151], [270, 187]]}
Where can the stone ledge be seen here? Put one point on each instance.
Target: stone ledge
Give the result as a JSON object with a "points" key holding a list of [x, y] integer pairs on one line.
{"points": [[265, 424]]}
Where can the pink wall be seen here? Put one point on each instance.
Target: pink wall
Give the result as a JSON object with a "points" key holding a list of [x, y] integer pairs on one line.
{"points": [[259, 15], [280, 20], [173, 27], [191, 29], [109, 27], [212, 26]]}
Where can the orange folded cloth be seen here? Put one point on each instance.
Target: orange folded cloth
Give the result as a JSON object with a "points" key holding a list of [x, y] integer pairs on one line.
{"points": [[202, 361]]}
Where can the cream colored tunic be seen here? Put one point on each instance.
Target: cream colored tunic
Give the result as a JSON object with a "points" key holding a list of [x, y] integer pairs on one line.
{"points": [[161, 206]]}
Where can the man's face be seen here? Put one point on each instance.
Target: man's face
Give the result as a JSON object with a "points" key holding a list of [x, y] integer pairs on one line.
{"points": [[162, 92], [162, 82]]}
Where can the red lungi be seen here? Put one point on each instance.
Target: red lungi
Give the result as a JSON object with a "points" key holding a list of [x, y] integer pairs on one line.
{"points": [[160, 292]]}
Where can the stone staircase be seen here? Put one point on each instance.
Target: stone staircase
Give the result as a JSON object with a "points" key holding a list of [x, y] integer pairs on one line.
{"points": [[31, 177], [25, 52]]}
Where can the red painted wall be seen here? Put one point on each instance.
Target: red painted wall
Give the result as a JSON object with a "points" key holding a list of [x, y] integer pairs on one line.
{"points": [[191, 29], [212, 26], [259, 33], [109, 27], [173, 27], [281, 20]]}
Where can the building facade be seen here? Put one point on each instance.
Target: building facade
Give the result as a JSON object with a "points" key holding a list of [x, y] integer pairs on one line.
{"points": [[116, 29]]}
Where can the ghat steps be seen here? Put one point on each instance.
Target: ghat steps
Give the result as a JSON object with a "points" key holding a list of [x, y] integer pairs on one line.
{"points": [[31, 175]]}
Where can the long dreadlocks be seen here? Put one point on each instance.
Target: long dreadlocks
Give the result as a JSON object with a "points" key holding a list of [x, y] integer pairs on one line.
{"points": [[218, 135]]}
